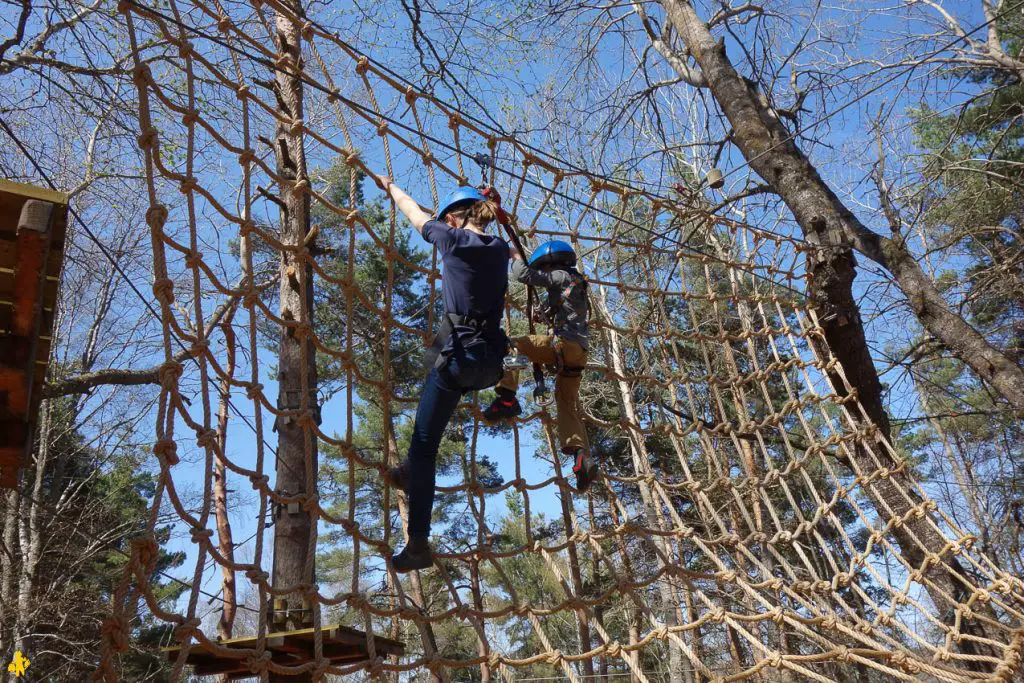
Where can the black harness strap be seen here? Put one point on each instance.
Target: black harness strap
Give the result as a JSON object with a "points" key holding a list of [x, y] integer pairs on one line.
{"points": [[434, 357]]}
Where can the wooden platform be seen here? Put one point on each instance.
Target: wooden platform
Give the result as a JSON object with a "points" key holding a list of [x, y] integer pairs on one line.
{"points": [[342, 645], [33, 228]]}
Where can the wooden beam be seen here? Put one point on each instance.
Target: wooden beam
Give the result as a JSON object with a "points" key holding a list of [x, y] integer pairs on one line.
{"points": [[33, 192], [20, 341]]}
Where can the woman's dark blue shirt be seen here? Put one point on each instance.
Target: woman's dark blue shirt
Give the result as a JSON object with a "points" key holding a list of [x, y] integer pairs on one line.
{"points": [[475, 270]]}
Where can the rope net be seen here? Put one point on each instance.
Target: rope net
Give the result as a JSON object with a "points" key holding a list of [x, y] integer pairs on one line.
{"points": [[751, 521]]}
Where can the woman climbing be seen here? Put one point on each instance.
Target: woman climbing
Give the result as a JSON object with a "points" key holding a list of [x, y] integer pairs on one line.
{"points": [[553, 266], [467, 353]]}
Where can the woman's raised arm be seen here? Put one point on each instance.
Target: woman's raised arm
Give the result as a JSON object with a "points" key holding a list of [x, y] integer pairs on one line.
{"points": [[406, 204]]}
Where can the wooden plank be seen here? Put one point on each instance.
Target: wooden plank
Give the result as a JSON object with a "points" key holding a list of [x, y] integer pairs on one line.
{"points": [[9, 256], [8, 477], [10, 457], [33, 192], [7, 288], [29, 280], [14, 391]]}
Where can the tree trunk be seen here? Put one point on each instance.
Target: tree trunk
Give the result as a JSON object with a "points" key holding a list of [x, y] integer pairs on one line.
{"points": [[220, 489], [294, 527], [29, 533], [829, 225], [8, 567]]}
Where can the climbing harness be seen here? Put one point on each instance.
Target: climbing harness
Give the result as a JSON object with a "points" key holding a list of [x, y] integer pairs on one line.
{"points": [[436, 355]]}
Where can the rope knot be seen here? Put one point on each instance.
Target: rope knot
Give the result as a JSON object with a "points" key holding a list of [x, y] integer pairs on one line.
{"points": [[163, 290], [198, 347], [728, 576], [201, 536], [306, 419], [614, 649], [156, 215], [207, 438], [258, 664], [142, 76], [246, 157], [193, 259], [145, 549], [312, 505], [115, 632], [555, 657], [774, 660], [186, 630], [254, 391], [494, 660], [166, 450], [358, 601], [362, 65], [188, 184], [259, 481], [843, 654], [257, 576], [300, 187], [778, 615]]}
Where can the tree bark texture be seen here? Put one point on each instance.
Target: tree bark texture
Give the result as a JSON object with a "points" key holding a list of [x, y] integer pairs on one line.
{"points": [[294, 526]]}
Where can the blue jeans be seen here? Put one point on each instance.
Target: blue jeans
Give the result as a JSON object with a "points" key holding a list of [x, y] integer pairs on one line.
{"points": [[442, 391]]}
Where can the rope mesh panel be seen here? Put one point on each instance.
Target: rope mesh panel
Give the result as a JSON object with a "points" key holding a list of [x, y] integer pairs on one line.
{"points": [[742, 499]]}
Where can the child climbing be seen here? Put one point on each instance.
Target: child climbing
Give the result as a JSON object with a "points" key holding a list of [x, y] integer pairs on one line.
{"points": [[553, 266], [467, 353]]}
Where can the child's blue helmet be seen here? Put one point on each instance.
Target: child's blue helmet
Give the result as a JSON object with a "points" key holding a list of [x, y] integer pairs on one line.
{"points": [[460, 196], [554, 253]]}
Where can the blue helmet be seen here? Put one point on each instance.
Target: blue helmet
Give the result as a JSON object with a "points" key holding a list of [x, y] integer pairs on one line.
{"points": [[461, 195], [554, 253]]}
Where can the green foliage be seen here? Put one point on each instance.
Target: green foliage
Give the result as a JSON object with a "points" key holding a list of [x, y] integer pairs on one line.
{"points": [[972, 177]]}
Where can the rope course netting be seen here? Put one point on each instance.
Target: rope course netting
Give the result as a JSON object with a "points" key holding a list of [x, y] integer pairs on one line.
{"points": [[754, 522]]}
